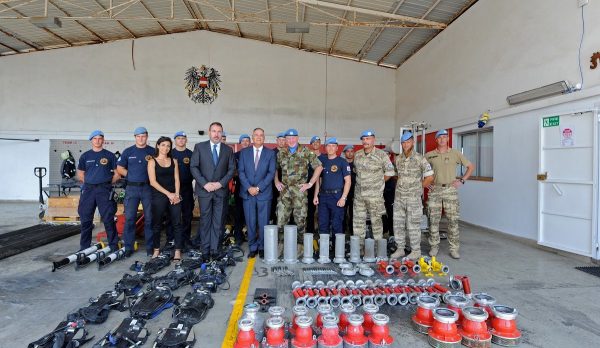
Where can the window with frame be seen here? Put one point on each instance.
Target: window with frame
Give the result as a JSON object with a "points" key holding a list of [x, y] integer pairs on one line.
{"points": [[478, 147]]}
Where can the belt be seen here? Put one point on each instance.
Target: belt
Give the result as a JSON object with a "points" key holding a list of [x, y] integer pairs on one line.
{"points": [[97, 185], [132, 183], [332, 192], [444, 185]]}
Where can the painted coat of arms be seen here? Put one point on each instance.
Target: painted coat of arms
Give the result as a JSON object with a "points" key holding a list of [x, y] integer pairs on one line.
{"points": [[202, 84]]}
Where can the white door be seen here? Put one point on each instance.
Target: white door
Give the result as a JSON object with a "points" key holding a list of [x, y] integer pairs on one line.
{"points": [[567, 178]]}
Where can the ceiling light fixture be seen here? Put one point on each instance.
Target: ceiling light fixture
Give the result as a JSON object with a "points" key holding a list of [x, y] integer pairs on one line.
{"points": [[561, 87]]}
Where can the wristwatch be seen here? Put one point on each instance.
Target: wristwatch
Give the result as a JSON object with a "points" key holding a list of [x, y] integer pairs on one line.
{"points": [[462, 180], [257, 189]]}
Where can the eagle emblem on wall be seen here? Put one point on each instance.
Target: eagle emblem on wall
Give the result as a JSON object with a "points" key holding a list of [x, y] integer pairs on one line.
{"points": [[202, 84]]}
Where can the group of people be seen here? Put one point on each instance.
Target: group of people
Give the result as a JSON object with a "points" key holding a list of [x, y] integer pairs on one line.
{"points": [[271, 185]]}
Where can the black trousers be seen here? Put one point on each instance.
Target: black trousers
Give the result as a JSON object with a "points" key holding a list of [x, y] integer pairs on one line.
{"points": [[160, 206], [187, 213]]}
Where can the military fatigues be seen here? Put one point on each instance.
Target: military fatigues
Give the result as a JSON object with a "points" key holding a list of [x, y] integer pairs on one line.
{"points": [[408, 206], [294, 172], [368, 195], [96, 191], [444, 195]]}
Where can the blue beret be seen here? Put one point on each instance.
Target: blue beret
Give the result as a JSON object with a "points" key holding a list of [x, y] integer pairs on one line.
{"points": [[406, 136], [95, 134], [243, 136], [440, 133], [314, 138], [331, 141], [367, 133], [140, 130], [281, 135], [291, 132], [180, 134], [348, 147]]}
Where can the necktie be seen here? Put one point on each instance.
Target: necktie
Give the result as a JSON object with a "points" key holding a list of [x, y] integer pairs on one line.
{"points": [[256, 157], [215, 155]]}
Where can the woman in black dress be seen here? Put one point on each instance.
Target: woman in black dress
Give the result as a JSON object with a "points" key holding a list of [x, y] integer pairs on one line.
{"points": [[163, 173]]}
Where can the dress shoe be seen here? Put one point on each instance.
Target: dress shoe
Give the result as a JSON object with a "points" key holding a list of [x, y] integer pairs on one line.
{"points": [[261, 253], [252, 254], [128, 253]]}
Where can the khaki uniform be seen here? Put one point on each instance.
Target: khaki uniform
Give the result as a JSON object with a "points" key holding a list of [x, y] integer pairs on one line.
{"points": [[444, 195], [294, 172], [368, 193], [408, 205]]}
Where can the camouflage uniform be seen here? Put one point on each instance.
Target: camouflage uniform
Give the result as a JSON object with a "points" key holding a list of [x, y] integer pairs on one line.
{"points": [[294, 172], [368, 193], [444, 195], [408, 206]]}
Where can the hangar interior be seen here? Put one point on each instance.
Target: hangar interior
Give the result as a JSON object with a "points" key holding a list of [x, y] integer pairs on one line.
{"points": [[529, 214]]}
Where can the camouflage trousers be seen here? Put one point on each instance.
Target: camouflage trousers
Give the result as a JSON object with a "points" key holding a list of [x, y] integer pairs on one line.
{"points": [[292, 201], [446, 198], [407, 217], [374, 206]]}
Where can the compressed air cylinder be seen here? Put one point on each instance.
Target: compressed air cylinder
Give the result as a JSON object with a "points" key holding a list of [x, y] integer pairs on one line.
{"points": [[355, 249], [382, 249], [290, 246], [369, 250], [340, 248], [308, 249], [270, 243], [324, 248]]}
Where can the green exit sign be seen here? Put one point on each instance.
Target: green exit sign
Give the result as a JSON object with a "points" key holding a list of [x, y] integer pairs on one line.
{"points": [[551, 121]]}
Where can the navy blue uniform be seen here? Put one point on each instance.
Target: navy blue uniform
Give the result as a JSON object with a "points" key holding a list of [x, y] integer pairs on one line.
{"points": [[330, 192], [135, 160], [186, 191], [96, 191]]}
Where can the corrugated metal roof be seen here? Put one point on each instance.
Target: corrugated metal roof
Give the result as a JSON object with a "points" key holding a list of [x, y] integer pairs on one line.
{"points": [[344, 28]]}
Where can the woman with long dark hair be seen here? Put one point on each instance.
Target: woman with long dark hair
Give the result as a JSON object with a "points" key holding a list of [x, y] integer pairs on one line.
{"points": [[163, 173]]}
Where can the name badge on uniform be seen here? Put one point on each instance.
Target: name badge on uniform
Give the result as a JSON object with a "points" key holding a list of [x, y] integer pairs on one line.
{"points": [[334, 168]]}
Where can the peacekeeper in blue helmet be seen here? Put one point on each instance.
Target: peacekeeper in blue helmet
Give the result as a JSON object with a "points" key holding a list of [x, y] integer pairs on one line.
{"points": [[96, 170], [332, 190], [183, 155], [133, 165]]}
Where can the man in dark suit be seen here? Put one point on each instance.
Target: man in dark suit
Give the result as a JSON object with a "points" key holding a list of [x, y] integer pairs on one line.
{"points": [[256, 169], [212, 166]]}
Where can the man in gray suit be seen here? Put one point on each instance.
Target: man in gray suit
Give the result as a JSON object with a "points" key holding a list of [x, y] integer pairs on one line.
{"points": [[212, 166]]}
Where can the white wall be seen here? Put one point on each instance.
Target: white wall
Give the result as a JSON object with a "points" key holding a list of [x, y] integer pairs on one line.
{"points": [[499, 48], [66, 93]]}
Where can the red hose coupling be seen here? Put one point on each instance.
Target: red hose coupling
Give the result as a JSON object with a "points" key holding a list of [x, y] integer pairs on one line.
{"points": [[298, 293], [323, 310], [304, 334], [380, 332], [459, 282], [344, 292], [423, 318], [368, 311], [298, 311], [355, 334], [444, 331], [381, 266], [310, 292], [486, 302], [474, 330], [440, 288], [456, 303], [275, 334], [323, 292], [346, 310], [330, 335], [504, 326], [246, 338]]}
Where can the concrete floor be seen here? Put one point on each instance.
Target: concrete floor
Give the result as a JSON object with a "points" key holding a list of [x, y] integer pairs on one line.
{"points": [[558, 305]]}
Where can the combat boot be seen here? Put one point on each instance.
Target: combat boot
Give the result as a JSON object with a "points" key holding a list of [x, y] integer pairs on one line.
{"points": [[434, 250], [414, 255], [454, 254], [398, 254]]}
